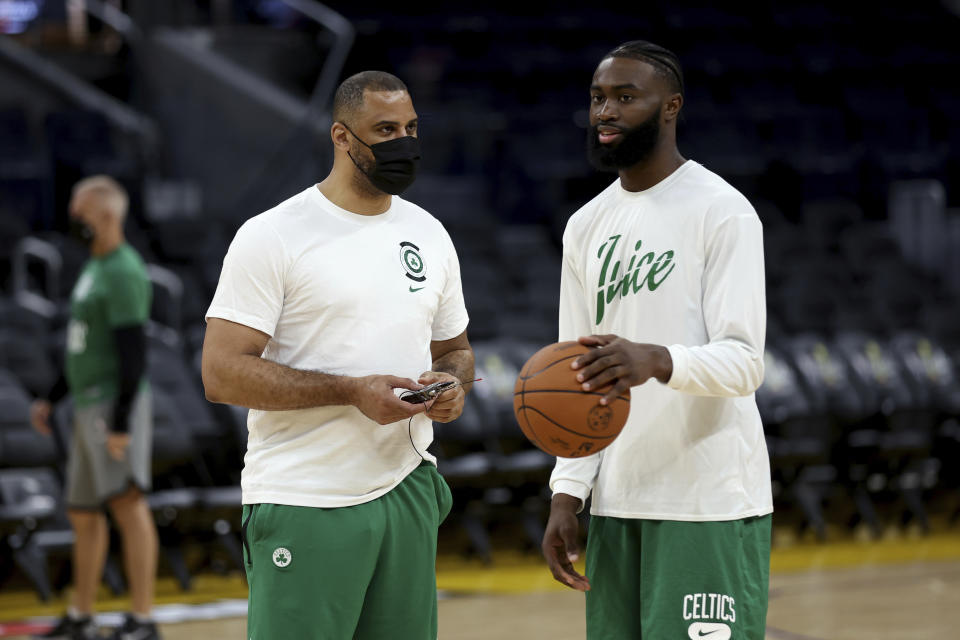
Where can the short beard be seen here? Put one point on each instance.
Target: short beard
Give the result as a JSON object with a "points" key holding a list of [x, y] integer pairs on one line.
{"points": [[636, 146], [363, 166]]}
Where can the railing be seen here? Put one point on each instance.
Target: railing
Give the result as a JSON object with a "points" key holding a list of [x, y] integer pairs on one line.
{"points": [[35, 250], [187, 76], [166, 328], [344, 34], [115, 19], [116, 112], [319, 13]]}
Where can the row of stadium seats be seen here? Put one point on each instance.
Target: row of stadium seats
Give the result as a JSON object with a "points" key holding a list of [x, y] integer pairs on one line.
{"points": [[859, 428], [861, 423]]}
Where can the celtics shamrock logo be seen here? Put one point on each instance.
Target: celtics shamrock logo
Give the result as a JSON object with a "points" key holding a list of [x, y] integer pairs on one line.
{"points": [[282, 557]]}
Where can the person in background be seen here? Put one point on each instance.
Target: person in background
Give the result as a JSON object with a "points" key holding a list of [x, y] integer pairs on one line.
{"points": [[108, 464]]}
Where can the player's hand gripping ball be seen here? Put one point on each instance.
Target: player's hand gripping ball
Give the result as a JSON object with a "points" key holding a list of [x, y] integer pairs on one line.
{"points": [[556, 414]]}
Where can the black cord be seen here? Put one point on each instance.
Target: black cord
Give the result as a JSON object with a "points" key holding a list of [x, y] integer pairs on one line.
{"points": [[424, 403], [410, 435], [410, 427]]}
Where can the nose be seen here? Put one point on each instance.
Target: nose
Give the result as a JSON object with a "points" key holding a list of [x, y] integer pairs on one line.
{"points": [[606, 111]]}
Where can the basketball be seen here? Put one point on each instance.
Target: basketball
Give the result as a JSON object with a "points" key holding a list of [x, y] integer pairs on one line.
{"points": [[554, 412]]}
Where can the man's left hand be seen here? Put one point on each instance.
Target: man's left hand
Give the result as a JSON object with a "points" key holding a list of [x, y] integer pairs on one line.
{"points": [[448, 406], [117, 444], [622, 363]]}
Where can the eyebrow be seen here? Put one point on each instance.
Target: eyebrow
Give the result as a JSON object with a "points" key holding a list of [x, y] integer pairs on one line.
{"points": [[628, 85], [394, 122]]}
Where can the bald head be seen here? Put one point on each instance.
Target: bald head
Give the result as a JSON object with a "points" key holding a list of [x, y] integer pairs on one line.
{"points": [[103, 194]]}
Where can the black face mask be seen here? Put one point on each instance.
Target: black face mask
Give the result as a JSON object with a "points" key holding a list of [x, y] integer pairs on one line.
{"points": [[81, 231], [396, 163]]}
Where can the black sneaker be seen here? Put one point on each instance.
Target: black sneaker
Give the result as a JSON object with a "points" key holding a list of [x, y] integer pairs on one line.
{"points": [[131, 629], [72, 629]]}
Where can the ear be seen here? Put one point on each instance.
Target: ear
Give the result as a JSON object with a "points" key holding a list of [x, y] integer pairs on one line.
{"points": [[672, 106], [340, 136]]}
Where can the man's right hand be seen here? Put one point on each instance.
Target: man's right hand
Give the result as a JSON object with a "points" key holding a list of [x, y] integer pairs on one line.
{"points": [[40, 416], [560, 546], [375, 398]]}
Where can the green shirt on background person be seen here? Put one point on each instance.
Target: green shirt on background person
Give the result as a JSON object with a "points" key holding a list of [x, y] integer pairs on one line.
{"points": [[113, 291]]}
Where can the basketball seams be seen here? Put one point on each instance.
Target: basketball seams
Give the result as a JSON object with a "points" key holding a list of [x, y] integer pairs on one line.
{"points": [[588, 436], [539, 371], [529, 429], [586, 393], [530, 432]]}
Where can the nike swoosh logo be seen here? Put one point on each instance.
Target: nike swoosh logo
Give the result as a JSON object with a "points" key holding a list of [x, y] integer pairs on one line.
{"points": [[412, 290], [709, 630]]}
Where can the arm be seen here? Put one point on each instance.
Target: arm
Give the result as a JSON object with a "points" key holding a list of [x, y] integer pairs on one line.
{"points": [[572, 478], [452, 357], [734, 310], [735, 314], [41, 408], [452, 360], [132, 356], [234, 373]]}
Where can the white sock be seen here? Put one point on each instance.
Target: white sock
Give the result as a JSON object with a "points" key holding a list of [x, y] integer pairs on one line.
{"points": [[141, 619], [73, 614]]}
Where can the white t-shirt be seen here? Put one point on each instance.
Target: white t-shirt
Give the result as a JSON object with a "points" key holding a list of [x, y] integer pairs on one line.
{"points": [[681, 265], [345, 294]]}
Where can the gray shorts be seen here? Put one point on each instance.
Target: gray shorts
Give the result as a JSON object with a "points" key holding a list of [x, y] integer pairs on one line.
{"points": [[93, 476]]}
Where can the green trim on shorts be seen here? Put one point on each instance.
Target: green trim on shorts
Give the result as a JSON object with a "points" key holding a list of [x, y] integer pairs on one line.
{"points": [[656, 579], [364, 572]]}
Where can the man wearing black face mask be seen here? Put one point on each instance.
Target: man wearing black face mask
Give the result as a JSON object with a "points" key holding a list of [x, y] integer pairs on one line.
{"points": [[109, 460], [330, 307], [663, 275], [393, 167]]}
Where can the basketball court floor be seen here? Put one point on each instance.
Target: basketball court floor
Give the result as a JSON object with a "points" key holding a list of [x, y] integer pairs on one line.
{"points": [[901, 588]]}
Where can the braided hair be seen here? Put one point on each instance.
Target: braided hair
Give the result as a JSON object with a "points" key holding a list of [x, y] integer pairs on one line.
{"points": [[664, 61]]}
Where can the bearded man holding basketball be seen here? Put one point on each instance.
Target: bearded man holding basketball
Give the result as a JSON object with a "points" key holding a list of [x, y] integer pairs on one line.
{"points": [[331, 308], [663, 274]]}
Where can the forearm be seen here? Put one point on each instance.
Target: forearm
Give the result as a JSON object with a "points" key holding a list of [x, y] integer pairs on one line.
{"points": [[575, 477], [253, 382], [59, 390], [132, 363], [724, 368], [458, 363]]}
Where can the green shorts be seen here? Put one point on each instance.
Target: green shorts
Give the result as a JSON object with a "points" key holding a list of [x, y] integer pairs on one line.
{"points": [[362, 572], [659, 579]]}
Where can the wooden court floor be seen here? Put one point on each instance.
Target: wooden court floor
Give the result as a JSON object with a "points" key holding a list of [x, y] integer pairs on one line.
{"points": [[906, 589]]}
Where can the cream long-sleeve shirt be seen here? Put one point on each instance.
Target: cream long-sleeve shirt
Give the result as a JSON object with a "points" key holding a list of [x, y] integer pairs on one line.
{"points": [[679, 265]]}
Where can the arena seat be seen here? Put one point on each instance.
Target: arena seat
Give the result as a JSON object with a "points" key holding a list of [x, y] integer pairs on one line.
{"points": [[20, 444], [800, 437], [465, 460], [32, 512]]}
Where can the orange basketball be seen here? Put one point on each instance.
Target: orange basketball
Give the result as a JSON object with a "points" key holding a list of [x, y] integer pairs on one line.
{"points": [[556, 414]]}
